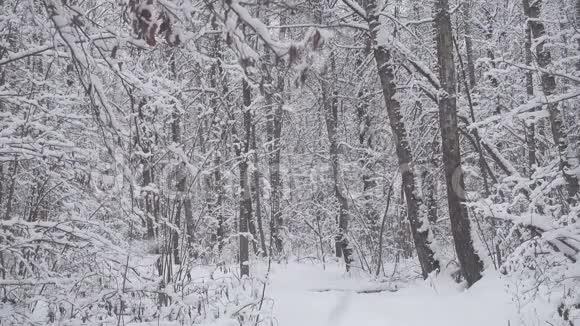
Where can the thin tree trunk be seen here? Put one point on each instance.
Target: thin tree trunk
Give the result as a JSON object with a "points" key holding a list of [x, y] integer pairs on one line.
{"points": [[149, 199], [418, 221], [148, 196], [190, 223], [382, 231], [369, 212], [149, 216], [251, 222], [330, 111], [181, 179], [258, 195], [215, 182], [181, 176], [274, 134], [429, 180], [242, 149], [469, 84], [216, 210], [577, 26], [366, 141], [478, 147], [531, 126], [1, 183], [11, 190], [469, 43], [330, 106], [544, 59], [471, 265]]}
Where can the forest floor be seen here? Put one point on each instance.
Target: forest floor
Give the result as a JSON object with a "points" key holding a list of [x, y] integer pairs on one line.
{"points": [[306, 294], [312, 294]]}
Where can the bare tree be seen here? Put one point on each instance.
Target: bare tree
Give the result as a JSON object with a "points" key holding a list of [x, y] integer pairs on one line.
{"points": [[471, 265], [548, 81], [417, 218]]}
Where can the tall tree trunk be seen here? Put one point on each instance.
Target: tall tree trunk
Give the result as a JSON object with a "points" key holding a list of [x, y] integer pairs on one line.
{"points": [[366, 142], [469, 85], [544, 59], [330, 106], [216, 204], [258, 195], [471, 265], [330, 111], [251, 222], [531, 126], [469, 43], [274, 152], [214, 181], [274, 134], [429, 178], [243, 148], [147, 194], [189, 222], [418, 221], [149, 200], [180, 177]]}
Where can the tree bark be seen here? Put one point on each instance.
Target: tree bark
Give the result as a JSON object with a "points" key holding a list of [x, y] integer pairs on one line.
{"points": [[418, 221], [214, 181], [471, 265], [242, 149], [258, 196], [366, 141], [369, 212], [469, 44], [274, 134], [544, 60], [180, 176], [181, 179], [330, 106], [149, 196], [531, 126]]}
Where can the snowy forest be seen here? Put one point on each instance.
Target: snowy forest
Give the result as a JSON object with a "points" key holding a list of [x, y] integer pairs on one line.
{"points": [[290, 162]]}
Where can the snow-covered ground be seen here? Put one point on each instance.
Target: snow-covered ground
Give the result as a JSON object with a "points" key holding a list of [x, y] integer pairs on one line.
{"points": [[305, 294]]}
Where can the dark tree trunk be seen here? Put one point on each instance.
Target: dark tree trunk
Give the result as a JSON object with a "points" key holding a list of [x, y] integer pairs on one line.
{"points": [[258, 195], [274, 134], [274, 150], [189, 222], [429, 179], [149, 196], [215, 207], [214, 181], [366, 141], [181, 179], [366, 163], [330, 106], [469, 85], [531, 126], [180, 176], [419, 225], [469, 44], [544, 59], [471, 265], [243, 148]]}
